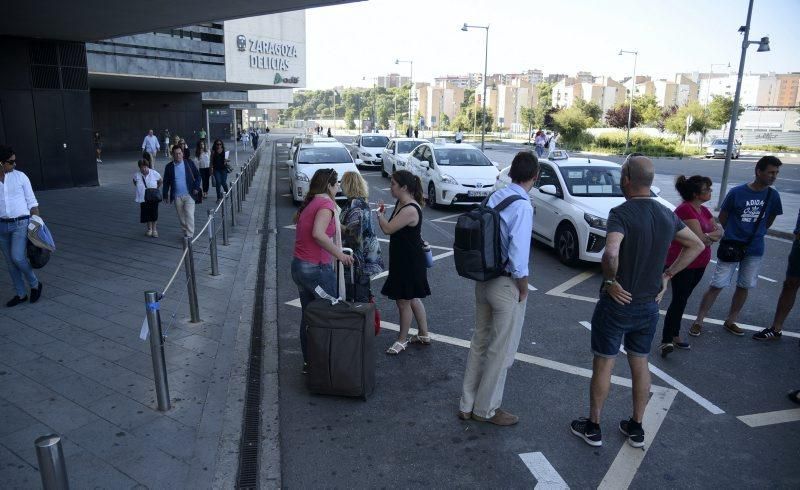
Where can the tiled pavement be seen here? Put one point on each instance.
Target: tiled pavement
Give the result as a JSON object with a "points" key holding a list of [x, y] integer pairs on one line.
{"points": [[73, 363]]}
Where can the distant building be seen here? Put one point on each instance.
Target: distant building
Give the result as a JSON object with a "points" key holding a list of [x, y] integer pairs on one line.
{"points": [[433, 102], [788, 90], [392, 80]]}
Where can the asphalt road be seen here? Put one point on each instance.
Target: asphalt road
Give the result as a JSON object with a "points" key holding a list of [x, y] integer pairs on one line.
{"points": [[407, 434]]}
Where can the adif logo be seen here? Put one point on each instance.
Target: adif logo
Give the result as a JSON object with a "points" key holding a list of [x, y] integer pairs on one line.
{"points": [[241, 42]]}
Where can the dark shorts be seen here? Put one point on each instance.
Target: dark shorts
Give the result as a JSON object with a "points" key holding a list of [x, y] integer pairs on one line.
{"points": [[611, 323], [793, 269]]}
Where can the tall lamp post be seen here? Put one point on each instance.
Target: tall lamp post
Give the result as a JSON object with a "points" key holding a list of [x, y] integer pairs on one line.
{"points": [[630, 102], [465, 28], [763, 46], [374, 101], [411, 84]]}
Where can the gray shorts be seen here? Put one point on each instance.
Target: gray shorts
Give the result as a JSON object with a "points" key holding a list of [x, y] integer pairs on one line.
{"points": [[747, 277]]}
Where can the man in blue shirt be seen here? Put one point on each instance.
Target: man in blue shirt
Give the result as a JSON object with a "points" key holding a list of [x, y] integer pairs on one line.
{"points": [[739, 216], [182, 185], [500, 303], [788, 293]]}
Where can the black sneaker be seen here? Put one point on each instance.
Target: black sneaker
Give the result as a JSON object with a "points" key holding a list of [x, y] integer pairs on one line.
{"points": [[666, 349], [36, 293], [767, 334], [633, 431], [588, 431], [16, 300]]}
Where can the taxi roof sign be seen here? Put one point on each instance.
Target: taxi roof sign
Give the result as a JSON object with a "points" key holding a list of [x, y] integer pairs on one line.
{"points": [[558, 155]]}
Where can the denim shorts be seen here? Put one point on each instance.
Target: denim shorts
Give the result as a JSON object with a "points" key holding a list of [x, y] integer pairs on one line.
{"points": [[793, 269], [747, 277], [612, 322]]}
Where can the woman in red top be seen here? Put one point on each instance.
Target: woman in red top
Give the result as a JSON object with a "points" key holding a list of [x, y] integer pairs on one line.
{"points": [[694, 190], [315, 244]]}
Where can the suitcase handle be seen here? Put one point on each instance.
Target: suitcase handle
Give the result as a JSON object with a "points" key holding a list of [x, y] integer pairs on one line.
{"points": [[346, 251]]}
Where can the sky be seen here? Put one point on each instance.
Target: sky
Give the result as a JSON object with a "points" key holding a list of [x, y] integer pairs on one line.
{"points": [[350, 42]]}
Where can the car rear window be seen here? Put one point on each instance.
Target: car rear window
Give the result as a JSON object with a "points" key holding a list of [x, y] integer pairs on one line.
{"points": [[323, 155], [373, 141]]}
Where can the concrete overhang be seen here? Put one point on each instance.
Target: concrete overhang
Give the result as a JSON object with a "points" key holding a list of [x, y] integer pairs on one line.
{"points": [[116, 81], [93, 20]]}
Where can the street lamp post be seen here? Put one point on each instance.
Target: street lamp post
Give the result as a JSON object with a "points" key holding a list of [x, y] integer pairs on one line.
{"points": [[464, 28], [763, 46], [374, 101], [411, 84], [633, 89]]}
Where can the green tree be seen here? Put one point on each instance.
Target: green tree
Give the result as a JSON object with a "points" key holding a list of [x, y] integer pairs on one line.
{"points": [[617, 117], [528, 116], [648, 109], [469, 98], [719, 111], [590, 109], [676, 123], [544, 106], [349, 118], [468, 116], [570, 123], [444, 124]]}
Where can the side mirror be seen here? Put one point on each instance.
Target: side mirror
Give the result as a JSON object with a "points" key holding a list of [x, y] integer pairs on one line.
{"points": [[290, 162], [424, 164], [391, 151], [550, 190], [359, 161], [656, 190]]}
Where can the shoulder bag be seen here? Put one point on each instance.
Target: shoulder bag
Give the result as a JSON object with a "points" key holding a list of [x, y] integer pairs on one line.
{"points": [[735, 250], [152, 194]]}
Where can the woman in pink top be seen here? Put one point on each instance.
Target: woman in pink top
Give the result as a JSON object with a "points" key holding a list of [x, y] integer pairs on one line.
{"points": [[315, 244], [694, 190]]}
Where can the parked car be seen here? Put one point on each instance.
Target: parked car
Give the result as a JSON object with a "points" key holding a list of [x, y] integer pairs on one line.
{"points": [[396, 153], [571, 201], [452, 173], [719, 146], [301, 138], [312, 156], [368, 147]]}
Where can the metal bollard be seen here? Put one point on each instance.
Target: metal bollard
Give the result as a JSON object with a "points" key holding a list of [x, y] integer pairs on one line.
{"points": [[224, 225], [238, 193], [188, 264], [151, 299], [243, 184], [212, 243], [233, 206], [52, 467]]}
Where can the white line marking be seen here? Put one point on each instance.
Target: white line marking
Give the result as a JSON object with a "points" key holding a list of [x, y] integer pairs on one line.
{"points": [[444, 218], [284, 178], [295, 302], [386, 240], [703, 402], [291, 227], [770, 418], [435, 257], [387, 189], [286, 195], [546, 476], [779, 239], [628, 460], [571, 283], [531, 288]]}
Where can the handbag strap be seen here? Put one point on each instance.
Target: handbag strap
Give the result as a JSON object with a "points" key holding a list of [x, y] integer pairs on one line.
{"points": [[760, 216], [144, 180]]}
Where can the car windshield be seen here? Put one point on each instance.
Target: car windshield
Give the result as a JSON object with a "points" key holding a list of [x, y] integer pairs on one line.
{"points": [[466, 157], [592, 181], [720, 142], [374, 141], [407, 146], [324, 155]]}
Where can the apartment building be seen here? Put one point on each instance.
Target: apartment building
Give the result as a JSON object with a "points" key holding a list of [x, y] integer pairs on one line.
{"points": [[435, 101], [392, 80], [788, 90]]}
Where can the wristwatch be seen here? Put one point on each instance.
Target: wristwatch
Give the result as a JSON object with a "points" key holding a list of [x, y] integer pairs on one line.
{"points": [[608, 282]]}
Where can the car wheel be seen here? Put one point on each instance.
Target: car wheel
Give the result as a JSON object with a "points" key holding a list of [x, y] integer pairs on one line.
{"points": [[566, 244], [432, 196]]}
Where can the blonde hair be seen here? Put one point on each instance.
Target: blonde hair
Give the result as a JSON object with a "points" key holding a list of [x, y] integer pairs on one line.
{"points": [[354, 185]]}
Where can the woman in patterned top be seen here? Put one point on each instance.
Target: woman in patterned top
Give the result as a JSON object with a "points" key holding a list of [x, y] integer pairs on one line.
{"points": [[358, 233]]}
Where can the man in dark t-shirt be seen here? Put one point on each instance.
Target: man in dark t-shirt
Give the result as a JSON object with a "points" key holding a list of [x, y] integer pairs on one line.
{"points": [[638, 235]]}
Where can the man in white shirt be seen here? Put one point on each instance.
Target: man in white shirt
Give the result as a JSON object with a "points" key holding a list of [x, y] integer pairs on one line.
{"points": [[17, 204], [151, 145]]}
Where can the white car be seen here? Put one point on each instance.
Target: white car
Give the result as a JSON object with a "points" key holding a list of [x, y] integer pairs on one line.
{"points": [[452, 173], [571, 201], [301, 139], [395, 155], [312, 156], [368, 147]]}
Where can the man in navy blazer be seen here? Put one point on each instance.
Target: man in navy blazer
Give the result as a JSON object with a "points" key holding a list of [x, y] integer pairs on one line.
{"points": [[182, 185]]}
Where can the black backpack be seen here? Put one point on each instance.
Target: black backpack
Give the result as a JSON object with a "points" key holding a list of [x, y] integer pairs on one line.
{"points": [[477, 250]]}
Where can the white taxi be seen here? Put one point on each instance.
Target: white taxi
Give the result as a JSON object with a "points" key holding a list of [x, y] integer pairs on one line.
{"points": [[396, 153], [571, 201], [305, 139], [312, 156], [368, 148], [452, 173]]}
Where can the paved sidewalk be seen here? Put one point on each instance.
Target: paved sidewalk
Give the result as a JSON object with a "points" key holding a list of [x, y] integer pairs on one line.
{"points": [[73, 363]]}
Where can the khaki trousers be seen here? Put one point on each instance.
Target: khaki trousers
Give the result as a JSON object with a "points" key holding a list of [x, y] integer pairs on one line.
{"points": [[498, 326], [185, 207]]}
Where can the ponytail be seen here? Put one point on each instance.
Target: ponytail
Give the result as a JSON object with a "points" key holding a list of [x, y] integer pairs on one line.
{"points": [[689, 187], [418, 191], [412, 183]]}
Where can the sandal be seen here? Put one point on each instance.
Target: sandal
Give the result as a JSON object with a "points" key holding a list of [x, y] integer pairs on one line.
{"points": [[420, 339], [397, 347]]}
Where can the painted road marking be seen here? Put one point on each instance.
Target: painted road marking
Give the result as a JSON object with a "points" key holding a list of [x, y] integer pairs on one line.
{"points": [[531, 288], [560, 291], [437, 247], [444, 219], [693, 395], [286, 195], [291, 227], [546, 476], [770, 418], [435, 258], [628, 460]]}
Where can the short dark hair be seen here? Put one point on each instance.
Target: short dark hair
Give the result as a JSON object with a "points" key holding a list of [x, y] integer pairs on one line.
{"points": [[6, 152], [177, 147], [688, 187], [766, 161], [524, 167]]}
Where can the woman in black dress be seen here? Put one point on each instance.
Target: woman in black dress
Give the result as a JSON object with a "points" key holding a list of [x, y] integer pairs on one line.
{"points": [[408, 275]]}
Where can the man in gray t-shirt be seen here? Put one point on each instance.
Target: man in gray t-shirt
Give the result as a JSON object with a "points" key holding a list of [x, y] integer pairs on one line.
{"points": [[639, 232]]}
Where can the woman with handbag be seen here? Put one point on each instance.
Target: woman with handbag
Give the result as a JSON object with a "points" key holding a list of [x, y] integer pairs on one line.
{"points": [[358, 233], [408, 276], [220, 168], [148, 194], [694, 191]]}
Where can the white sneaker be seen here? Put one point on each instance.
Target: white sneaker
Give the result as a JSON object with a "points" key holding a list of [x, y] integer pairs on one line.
{"points": [[149, 232]]}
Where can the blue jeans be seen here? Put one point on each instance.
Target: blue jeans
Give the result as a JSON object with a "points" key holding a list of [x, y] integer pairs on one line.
{"points": [[308, 276], [220, 180], [13, 239], [539, 151], [611, 321]]}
